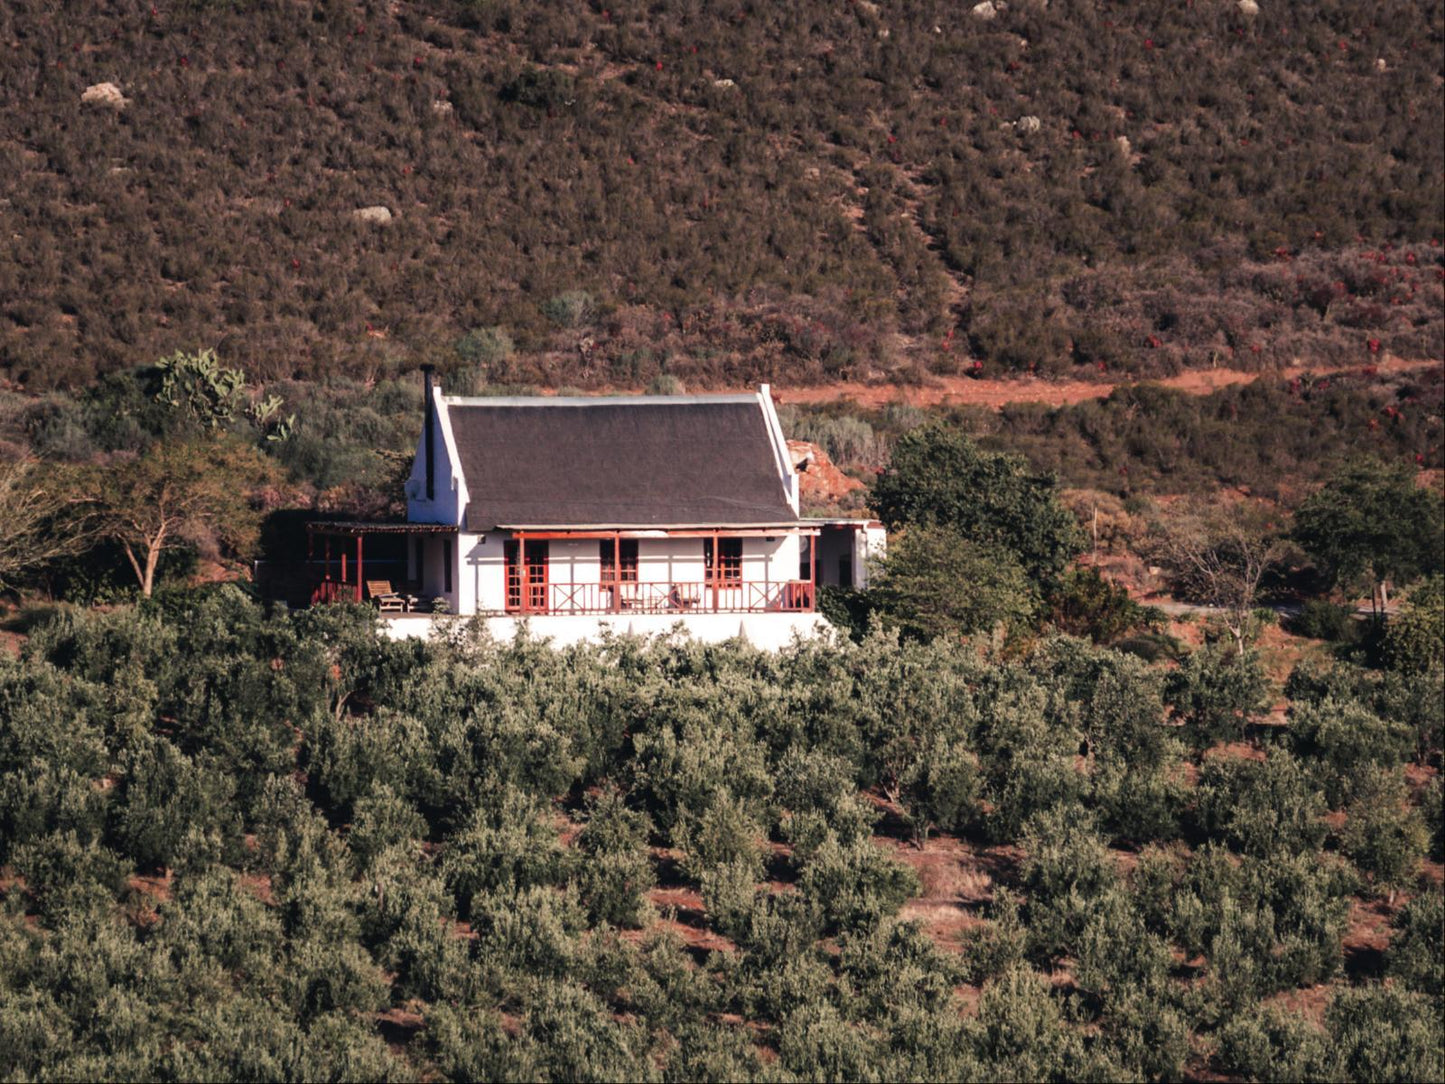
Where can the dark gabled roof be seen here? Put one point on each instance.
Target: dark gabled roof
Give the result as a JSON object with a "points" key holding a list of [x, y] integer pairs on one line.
{"points": [[635, 462]]}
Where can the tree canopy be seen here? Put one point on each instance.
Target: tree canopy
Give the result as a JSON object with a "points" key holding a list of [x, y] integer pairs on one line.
{"points": [[1371, 520], [938, 477]]}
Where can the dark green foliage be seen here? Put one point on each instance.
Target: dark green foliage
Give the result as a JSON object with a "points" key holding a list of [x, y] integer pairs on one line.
{"points": [[1086, 604], [1321, 619], [1345, 742], [1372, 520], [1215, 692], [1264, 924], [1432, 805], [935, 582], [1417, 944], [1385, 1033], [282, 875], [816, 796], [999, 946], [1067, 874], [66, 876], [1273, 1045], [855, 886], [1269, 436], [1020, 1030], [1261, 806], [1415, 640], [172, 811], [939, 477], [1383, 835], [509, 843], [614, 872]]}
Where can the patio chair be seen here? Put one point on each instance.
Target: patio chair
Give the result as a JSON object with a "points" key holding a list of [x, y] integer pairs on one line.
{"points": [[387, 600]]}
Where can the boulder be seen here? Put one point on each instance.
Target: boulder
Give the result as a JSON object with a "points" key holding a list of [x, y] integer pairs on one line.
{"points": [[984, 11], [107, 95], [377, 213], [1029, 125], [1248, 8]]}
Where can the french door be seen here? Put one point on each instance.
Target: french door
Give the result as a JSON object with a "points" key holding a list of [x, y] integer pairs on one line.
{"points": [[526, 577]]}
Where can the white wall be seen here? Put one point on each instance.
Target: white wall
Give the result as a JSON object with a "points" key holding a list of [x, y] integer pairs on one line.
{"points": [[483, 576], [449, 499], [484, 573], [771, 631]]}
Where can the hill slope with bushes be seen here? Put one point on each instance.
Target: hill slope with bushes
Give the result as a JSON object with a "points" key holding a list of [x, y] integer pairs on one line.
{"points": [[606, 193]]}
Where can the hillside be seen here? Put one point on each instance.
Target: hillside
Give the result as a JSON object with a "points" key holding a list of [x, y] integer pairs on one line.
{"points": [[606, 193]]}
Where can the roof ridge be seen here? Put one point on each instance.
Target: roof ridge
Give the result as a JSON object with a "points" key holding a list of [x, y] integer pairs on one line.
{"points": [[729, 398]]}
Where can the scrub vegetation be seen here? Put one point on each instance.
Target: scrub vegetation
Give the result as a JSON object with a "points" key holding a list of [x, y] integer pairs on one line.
{"points": [[285, 846], [601, 194]]}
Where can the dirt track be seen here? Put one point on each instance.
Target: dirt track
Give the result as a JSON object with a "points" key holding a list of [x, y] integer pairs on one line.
{"points": [[963, 390]]}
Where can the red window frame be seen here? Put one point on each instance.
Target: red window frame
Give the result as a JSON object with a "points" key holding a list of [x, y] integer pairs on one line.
{"points": [[614, 571], [725, 568], [529, 574]]}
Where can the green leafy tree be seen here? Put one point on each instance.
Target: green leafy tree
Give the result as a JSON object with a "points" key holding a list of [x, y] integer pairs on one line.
{"points": [[1372, 521], [1416, 955], [181, 493], [1415, 639], [1270, 1044], [935, 582], [1067, 872], [1385, 1033], [1215, 693], [1261, 807], [1020, 1030], [939, 477], [1088, 604], [616, 870], [1383, 834]]}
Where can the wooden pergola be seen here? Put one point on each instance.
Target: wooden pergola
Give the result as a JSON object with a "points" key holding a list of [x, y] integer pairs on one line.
{"points": [[350, 536]]}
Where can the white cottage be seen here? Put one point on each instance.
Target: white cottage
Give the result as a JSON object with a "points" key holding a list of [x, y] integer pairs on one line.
{"points": [[575, 514]]}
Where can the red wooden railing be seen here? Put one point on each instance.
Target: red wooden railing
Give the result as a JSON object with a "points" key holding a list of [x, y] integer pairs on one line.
{"points": [[795, 596], [334, 591]]}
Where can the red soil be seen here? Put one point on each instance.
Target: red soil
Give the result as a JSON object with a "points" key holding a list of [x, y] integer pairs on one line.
{"points": [[995, 394]]}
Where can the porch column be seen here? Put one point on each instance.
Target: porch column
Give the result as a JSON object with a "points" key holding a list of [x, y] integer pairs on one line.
{"points": [[813, 540], [358, 568], [616, 571], [523, 573], [767, 583], [716, 568]]}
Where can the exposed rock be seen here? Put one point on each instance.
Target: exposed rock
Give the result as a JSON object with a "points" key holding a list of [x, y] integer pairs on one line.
{"points": [[1380, 64], [723, 84], [1248, 8], [819, 479], [984, 11], [376, 213], [105, 94], [1029, 125], [1124, 145], [441, 106]]}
